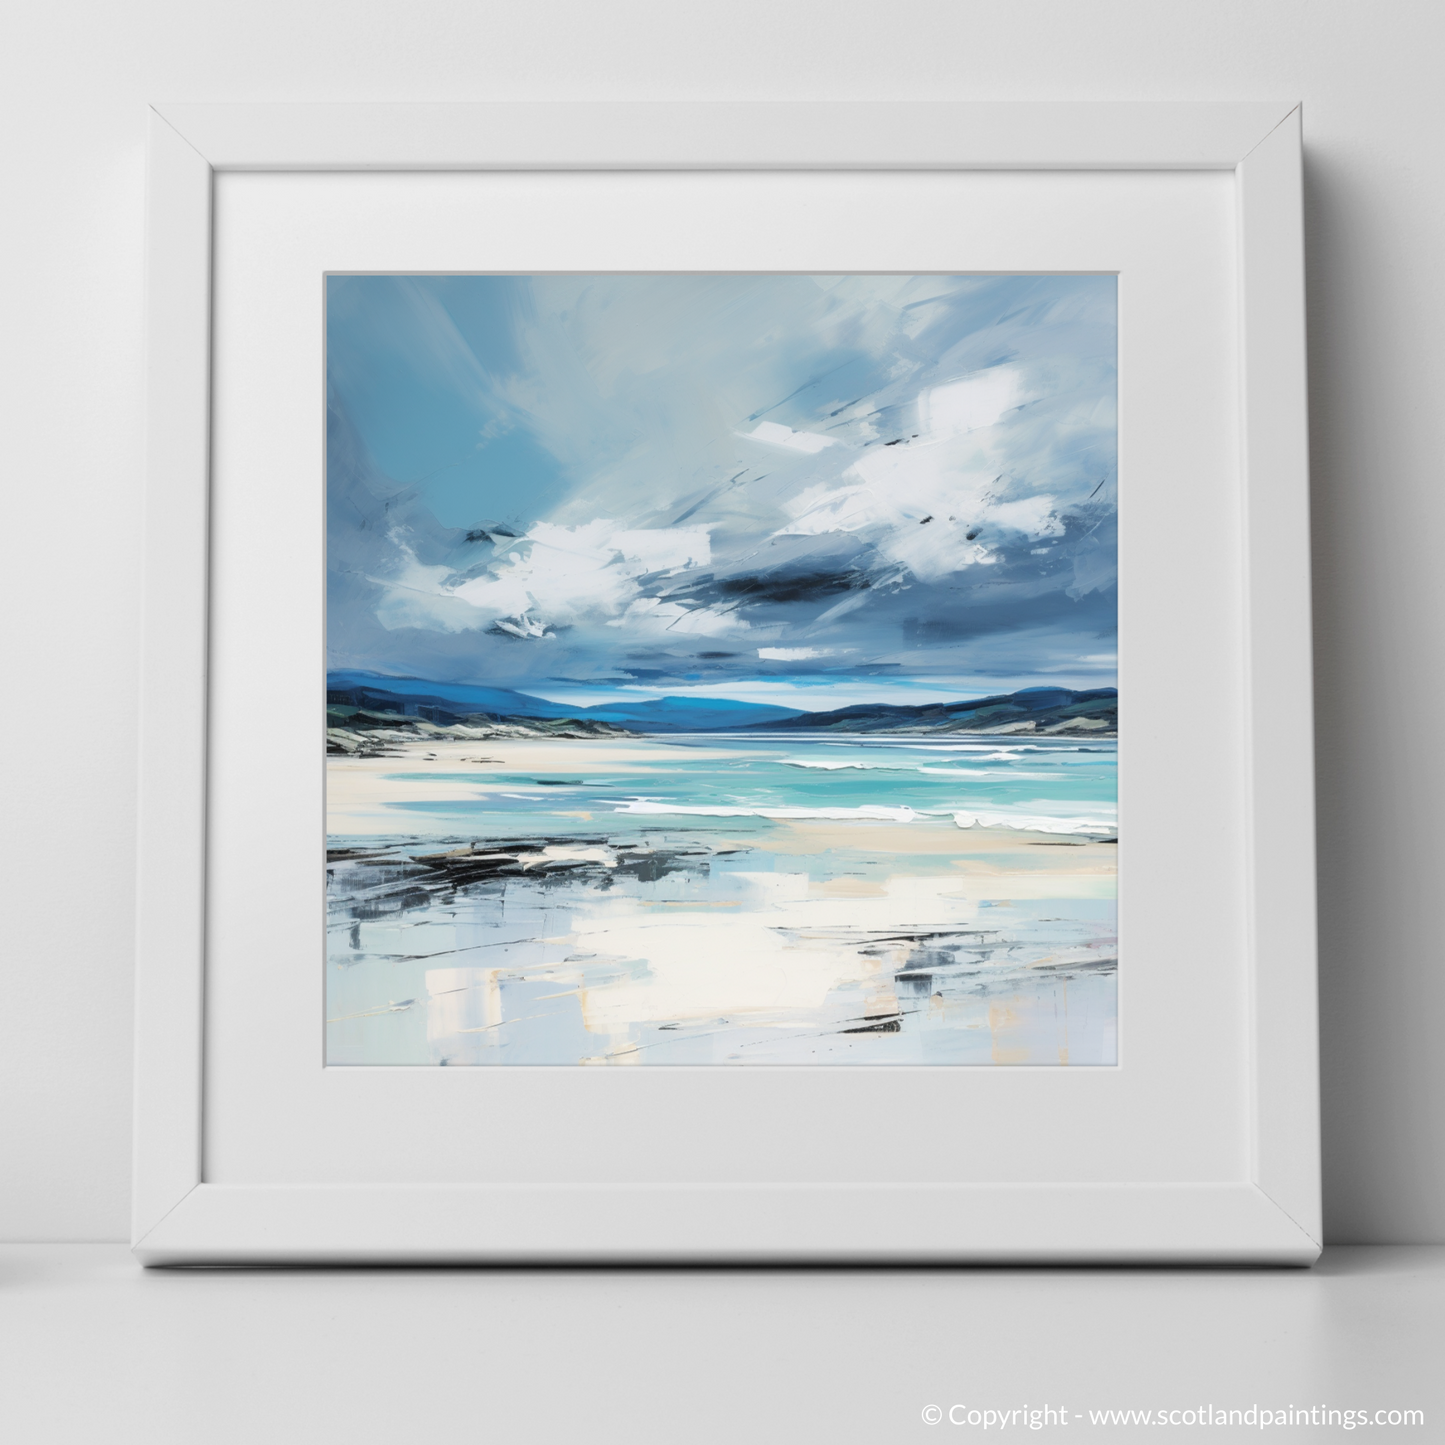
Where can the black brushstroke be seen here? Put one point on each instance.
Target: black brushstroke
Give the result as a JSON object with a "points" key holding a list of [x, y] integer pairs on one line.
{"points": [[792, 587]]}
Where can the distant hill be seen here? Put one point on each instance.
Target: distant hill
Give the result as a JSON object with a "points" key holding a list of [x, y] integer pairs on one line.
{"points": [[690, 714], [1051, 710], [360, 732], [364, 698], [449, 703], [414, 696]]}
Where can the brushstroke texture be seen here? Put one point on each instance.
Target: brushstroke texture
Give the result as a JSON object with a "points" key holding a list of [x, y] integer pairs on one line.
{"points": [[811, 492], [721, 670]]}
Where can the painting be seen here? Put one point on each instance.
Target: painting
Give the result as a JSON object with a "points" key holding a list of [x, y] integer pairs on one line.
{"points": [[721, 670]]}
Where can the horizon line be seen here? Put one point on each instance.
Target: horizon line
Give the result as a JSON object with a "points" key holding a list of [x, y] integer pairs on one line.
{"points": [[661, 696]]}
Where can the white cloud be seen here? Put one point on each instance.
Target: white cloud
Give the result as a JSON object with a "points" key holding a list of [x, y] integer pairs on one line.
{"points": [[918, 503], [553, 576], [827, 507], [932, 552], [523, 626], [663, 549], [915, 504], [977, 401], [797, 654], [653, 615], [1033, 516], [784, 436], [415, 595]]}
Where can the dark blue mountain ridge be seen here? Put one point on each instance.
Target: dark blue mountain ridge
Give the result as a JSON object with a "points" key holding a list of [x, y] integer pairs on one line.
{"points": [[380, 692], [450, 702], [690, 714], [1033, 709]]}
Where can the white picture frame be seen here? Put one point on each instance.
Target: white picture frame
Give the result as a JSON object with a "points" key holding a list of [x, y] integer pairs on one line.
{"points": [[1270, 1213]]}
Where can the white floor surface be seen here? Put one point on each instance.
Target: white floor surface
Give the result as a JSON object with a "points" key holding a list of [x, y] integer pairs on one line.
{"points": [[95, 1349]]}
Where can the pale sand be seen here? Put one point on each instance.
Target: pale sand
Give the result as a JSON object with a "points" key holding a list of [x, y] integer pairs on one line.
{"points": [[357, 795], [785, 952], [782, 956]]}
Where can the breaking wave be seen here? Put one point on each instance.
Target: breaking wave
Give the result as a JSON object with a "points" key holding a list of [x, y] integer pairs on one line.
{"points": [[833, 767], [911, 767], [875, 811]]}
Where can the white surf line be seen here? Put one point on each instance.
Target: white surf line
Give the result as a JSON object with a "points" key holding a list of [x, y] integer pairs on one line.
{"points": [[869, 811], [1022, 824]]}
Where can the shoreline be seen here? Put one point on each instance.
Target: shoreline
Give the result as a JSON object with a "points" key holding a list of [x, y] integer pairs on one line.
{"points": [[362, 793]]}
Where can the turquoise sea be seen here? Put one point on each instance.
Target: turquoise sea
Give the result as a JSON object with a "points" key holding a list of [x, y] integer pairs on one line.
{"points": [[1064, 786]]}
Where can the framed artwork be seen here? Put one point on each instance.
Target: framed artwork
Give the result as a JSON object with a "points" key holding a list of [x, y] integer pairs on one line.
{"points": [[799, 707], [638, 604]]}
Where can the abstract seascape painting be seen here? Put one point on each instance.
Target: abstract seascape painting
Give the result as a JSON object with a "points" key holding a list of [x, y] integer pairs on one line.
{"points": [[721, 670]]}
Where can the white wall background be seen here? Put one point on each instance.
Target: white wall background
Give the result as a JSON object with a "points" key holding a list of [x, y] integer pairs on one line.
{"points": [[75, 78]]}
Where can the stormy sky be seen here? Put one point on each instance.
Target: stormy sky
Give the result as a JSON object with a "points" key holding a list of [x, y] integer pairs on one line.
{"points": [[806, 490]]}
